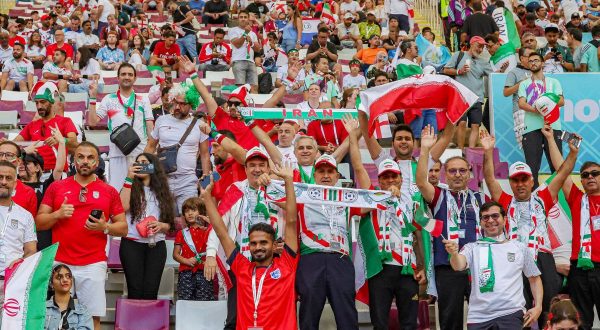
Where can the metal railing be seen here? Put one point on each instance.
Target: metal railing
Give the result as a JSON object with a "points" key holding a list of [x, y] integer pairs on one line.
{"points": [[428, 10]]}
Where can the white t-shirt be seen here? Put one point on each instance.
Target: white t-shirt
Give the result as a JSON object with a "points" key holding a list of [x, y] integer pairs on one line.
{"points": [[87, 40], [511, 259], [168, 130], [354, 82], [352, 7], [93, 67], [117, 116], [287, 155], [152, 209], [35, 51], [5, 54], [108, 9], [19, 228], [241, 54], [53, 68], [18, 70]]}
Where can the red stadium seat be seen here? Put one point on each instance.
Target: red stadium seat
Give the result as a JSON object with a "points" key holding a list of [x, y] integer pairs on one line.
{"points": [[133, 314], [144, 74], [114, 260], [75, 106]]}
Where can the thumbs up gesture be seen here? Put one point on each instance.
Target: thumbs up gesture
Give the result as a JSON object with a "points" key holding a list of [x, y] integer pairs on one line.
{"points": [[65, 211]]}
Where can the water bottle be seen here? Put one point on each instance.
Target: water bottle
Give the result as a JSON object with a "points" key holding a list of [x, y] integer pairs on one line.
{"points": [[152, 240]]}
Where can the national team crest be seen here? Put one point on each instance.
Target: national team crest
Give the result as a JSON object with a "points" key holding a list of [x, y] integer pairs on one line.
{"points": [[276, 274], [14, 223], [510, 256], [96, 194]]}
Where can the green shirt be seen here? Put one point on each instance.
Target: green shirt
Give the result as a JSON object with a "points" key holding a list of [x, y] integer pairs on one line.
{"points": [[590, 57], [531, 92], [366, 30]]}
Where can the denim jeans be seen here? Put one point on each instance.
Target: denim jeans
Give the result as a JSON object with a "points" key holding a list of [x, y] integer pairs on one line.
{"points": [[188, 44], [427, 117], [288, 44]]}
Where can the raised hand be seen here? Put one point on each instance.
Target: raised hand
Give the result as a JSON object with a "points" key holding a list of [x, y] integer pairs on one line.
{"points": [[284, 171], [548, 132], [293, 70], [428, 137], [186, 65], [487, 141], [350, 123]]}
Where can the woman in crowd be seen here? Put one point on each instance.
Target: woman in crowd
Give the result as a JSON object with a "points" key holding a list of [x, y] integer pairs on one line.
{"points": [[349, 98], [89, 69], [563, 316], [35, 50], [138, 52], [150, 213], [292, 31], [62, 310]]}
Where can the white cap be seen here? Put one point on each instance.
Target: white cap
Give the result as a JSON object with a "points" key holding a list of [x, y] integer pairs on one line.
{"points": [[388, 165], [348, 15], [519, 168], [326, 159], [256, 152]]}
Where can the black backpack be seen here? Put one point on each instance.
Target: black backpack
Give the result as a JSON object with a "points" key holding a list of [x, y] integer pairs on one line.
{"points": [[265, 83]]}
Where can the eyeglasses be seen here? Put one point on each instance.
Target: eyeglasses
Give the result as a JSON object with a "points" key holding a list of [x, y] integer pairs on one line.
{"points": [[535, 61], [233, 104], [9, 156], [584, 175], [454, 171], [493, 216], [82, 193]]}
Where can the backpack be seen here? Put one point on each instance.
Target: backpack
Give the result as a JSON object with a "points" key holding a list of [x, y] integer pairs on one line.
{"points": [[265, 83]]}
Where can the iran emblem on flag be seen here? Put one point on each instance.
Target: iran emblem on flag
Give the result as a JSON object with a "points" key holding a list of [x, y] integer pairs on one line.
{"points": [[547, 106]]}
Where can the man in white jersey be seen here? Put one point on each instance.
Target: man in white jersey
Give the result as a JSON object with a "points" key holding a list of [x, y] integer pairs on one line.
{"points": [[528, 214], [497, 265], [17, 72], [123, 107]]}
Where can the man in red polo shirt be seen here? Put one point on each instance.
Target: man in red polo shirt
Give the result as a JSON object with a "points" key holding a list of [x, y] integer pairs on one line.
{"points": [[266, 295], [59, 36], [66, 208], [585, 243], [23, 195], [40, 130]]}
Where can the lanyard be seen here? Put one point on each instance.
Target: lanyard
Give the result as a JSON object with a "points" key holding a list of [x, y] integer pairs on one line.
{"points": [[130, 111], [306, 178], [257, 293], [5, 224], [337, 142]]}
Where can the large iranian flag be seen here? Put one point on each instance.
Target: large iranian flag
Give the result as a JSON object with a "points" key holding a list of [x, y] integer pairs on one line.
{"points": [[416, 93], [25, 290], [508, 32]]}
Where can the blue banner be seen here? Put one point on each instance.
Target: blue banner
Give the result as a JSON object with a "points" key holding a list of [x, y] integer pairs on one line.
{"points": [[581, 115]]}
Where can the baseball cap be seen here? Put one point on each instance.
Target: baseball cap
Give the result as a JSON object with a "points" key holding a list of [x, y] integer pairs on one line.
{"points": [[388, 165], [551, 27], [348, 15], [370, 12], [575, 15], [519, 168], [256, 152], [478, 40], [44, 17], [326, 159]]}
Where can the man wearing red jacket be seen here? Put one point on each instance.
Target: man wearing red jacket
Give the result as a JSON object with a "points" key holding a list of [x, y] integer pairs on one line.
{"points": [[216, 55]]}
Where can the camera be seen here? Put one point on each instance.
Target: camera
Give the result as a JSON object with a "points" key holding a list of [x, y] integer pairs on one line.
{"points": [[214, 61]]}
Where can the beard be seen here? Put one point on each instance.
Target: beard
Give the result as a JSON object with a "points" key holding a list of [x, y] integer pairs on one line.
{"points": [[5, 192]]}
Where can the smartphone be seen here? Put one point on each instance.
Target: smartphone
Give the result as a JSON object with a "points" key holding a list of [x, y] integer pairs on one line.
{"points": [[96, 214], [568, 137], [206, 181], [145, 168]]}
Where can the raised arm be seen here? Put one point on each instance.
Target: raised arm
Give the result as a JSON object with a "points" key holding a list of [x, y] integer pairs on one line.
{"points": [[488, 143], [372, 144], [428, 139], [188, 66], [556, 157], [564, 171], [442, 143], [61, 154], [216, 221], [236, 151], [362, 177], [281, 91], [286, 171]]}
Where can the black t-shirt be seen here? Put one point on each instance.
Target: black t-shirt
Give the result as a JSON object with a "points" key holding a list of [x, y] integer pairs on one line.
{"points": [[479, 24], [44, 237], [314, 46], [215, 7], [179, 15], [581, 27], [258, 8]]}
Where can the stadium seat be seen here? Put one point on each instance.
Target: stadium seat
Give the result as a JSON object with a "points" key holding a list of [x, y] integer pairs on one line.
{"points": [[9, 118], [144, 74], [170, 261], [107, 89], [114, 260], [132, 314], [144, 81], [213, 315], [218, 75], [166, 290], [259, 98], [110, 80], [15, 96], [141, 88], [108, 73], [30, 106], [76, 106], [25, 117], [76, 117]]}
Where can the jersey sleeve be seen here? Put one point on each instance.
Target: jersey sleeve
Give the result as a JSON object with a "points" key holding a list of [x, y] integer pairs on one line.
{"points": [[289, 256], [505, 200], [467, 252], [546, 197], [30, 235], [49, 195], [530, 268]]}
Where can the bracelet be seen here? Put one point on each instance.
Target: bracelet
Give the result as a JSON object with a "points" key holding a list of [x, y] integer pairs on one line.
{"points": [[126, 185], [194, 75], [66, 140], [128, 180]]}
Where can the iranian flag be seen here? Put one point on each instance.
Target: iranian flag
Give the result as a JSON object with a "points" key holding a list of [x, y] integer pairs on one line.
{"points": [[430, 225], [406, 68], [367, 260], [383, 130], [547, 106], [507, 27], [421, 92], [25, 290], [310, 27], [505, 54], [560, 229], [327, 15]]}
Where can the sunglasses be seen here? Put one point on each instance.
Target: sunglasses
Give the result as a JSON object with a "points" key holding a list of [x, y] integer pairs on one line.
{"points": [[234, 104], [82, 193], [493, 216], [454, 171], [585, 175]]}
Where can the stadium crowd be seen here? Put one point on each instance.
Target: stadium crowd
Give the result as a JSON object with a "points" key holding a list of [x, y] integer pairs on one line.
{"points": [[187, 162]]}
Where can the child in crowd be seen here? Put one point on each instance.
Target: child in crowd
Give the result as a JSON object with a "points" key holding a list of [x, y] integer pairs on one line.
{"points": [[355, 79], [563, 315], [190, 252]]}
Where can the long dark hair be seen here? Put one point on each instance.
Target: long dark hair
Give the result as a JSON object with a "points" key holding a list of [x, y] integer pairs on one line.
{"points": [[142, 42], [84, 59], [39, 44], [159, 186]]}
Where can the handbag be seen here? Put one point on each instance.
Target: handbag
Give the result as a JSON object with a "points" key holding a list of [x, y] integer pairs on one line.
{"points": [[142, 225], [195, 24], [125, 137], [168, 155]]}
